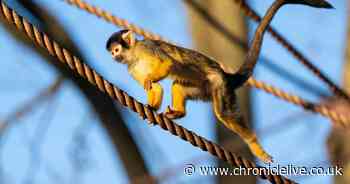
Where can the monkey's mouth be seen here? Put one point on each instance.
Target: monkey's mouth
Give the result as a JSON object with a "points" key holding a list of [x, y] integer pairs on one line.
{"points": [[118, 59]]}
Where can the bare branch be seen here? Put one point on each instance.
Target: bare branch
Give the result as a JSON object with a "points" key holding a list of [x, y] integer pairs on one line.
{"points": [[28, 107]]}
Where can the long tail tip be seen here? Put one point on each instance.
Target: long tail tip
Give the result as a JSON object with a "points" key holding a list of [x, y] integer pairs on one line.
{"points": [[313, 3], [320, 4], [327, 5]]}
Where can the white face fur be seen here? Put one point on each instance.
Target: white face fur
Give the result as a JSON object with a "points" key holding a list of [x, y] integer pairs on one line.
{"points": [[116, 50]]}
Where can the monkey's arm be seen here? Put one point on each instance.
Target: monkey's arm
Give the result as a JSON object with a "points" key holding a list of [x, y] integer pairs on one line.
{"points": [[155, 95], [153, 89], [152, 67]]}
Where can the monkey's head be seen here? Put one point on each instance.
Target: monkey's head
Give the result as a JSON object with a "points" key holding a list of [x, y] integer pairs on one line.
{"points": [[120, 43]]}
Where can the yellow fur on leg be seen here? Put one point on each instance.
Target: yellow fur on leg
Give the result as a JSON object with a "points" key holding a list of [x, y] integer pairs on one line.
{"points": [[235, 122], [257, 150], [248, 136], [155, 96], [178, 102]]}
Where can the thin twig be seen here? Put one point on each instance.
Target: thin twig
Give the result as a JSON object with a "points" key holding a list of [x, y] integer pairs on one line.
{"points": [[64, 56], [34, 147], [28, 106]]}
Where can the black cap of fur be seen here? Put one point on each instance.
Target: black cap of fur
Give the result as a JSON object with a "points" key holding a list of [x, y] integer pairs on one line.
{"points": [[117, 38]]}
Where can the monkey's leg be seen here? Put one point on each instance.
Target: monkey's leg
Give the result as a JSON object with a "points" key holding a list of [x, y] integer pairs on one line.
{"points": [[178, 97], [154, 95], [181, 93], [226, 110], [153, 89]]}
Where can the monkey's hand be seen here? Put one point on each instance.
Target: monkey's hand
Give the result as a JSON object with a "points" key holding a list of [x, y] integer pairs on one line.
{"points": [[147, 84], [173, 114]]}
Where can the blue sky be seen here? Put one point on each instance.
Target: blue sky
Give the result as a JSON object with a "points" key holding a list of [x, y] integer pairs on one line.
{"points": [[318, 33]]}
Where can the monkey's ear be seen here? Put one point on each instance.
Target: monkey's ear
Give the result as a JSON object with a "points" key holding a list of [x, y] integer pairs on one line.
{"points": [[129, 38]]}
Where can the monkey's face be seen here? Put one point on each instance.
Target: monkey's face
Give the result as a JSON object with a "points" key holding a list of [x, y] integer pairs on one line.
{"points": [[119, 45], [116, 51]]}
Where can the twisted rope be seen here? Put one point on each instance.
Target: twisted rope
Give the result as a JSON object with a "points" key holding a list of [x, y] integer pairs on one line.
{"points": [[122, 97], [340, 119], [321, 109], [248, 11], [112, 19]]}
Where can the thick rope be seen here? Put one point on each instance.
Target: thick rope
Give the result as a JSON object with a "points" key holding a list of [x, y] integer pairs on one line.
{"points": [[114, 20], [122, 97], [325, 111], [248, 11], [339, 119]]}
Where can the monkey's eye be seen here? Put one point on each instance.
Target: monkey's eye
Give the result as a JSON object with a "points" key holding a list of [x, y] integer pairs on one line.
{"points": [[116, 51]]}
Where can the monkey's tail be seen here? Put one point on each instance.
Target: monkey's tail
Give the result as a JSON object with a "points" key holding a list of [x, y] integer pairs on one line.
{"points": [[246, 70], [235, 81], [312, 3], [227, 111]]}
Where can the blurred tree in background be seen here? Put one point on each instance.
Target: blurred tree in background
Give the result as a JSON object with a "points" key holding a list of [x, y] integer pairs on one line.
{"points": [[338, 146]]}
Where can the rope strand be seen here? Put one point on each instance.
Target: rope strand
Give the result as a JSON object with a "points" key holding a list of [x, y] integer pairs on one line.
{"points": [[340, 119], [122, 97]]}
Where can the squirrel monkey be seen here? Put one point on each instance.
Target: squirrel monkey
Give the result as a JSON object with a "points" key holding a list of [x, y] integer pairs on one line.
{"points": [[195, 75]]}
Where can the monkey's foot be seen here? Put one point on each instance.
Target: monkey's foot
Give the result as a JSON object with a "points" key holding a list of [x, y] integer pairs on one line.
{"points": [[259, 152], [152, 108], [172, 114], [155, 106]]}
